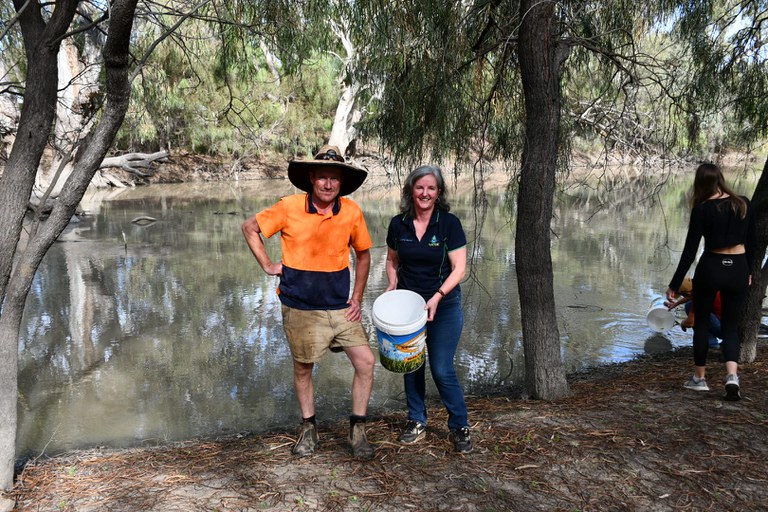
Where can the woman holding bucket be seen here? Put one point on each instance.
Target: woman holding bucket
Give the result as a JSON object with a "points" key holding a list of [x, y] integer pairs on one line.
{"points": [[725, 222], [427, 254]]}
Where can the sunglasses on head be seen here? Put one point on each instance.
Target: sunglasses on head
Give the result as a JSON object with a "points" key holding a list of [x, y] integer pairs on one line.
{"points": [[330, 155]]}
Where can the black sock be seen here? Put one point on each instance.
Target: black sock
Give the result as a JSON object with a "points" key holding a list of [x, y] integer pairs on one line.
{"points": [[311, 419], [354, 418]]}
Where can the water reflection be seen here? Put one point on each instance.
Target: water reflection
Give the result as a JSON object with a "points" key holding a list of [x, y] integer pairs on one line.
{"points": [[657, 344], [137, 334]]}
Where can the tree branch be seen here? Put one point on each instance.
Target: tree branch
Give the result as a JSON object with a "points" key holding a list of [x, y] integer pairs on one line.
{"points": [[168, 33]]}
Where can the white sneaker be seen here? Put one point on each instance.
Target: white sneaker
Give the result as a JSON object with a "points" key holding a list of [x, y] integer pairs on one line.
{"points": [[732, 388], [696, 384]]}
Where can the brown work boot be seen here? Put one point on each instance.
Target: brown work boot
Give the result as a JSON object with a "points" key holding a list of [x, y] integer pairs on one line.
{"points": [[308, 439], [358, 442]]}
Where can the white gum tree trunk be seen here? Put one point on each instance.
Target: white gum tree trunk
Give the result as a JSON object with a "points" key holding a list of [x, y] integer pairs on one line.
{"points": [[347, 111], [78, 85]]}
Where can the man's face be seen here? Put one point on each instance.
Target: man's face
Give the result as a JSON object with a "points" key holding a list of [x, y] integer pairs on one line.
{"points": [[326, 183]]}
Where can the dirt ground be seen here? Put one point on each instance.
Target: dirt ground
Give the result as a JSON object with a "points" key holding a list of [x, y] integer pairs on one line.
{"points": [[627, 438]]}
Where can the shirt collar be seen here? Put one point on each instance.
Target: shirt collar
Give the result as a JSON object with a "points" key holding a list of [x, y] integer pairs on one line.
{"points": [[311, 207], [432, 221]]}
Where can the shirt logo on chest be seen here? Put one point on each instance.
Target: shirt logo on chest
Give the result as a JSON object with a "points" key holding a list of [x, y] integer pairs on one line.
{"points": [[434, 242]]}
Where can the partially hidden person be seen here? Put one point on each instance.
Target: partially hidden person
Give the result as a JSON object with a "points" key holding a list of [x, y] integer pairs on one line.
{"points": [[725, 221], [427, 254], [685, 298], [318, 228]]}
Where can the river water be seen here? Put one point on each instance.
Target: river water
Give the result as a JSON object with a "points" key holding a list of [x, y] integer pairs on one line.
{"points": [[145, 334]]}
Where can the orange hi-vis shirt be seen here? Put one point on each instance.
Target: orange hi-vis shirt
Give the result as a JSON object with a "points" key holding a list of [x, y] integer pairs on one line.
{"points": [[315, 249]]}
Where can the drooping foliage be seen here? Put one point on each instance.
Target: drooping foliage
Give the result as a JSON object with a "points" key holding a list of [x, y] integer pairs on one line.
{"points": [[446, 82], [725, 43], [227, 78], [634, 81], [642, 78], [212, 89]]}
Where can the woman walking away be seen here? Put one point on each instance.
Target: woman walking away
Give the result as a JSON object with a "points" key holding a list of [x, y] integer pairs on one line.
{"points": [[725, 221], [427, 254]]}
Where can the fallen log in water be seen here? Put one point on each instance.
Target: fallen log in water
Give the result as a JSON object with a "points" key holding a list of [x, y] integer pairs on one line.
{"points": [[144, 220]]}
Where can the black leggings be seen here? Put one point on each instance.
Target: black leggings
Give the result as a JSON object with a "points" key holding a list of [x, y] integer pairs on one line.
{"points": [[728, 274]]}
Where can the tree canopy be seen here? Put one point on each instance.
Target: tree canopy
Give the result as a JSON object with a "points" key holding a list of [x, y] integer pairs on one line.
{"points": [[240, 78]]}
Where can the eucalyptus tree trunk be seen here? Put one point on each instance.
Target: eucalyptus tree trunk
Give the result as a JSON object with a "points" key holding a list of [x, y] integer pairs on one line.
{"points": [[78, 76], [270, 60], [750, 321], [347, 115], [9, 109], [19, 262], [347, 112], [16, 184], [540, 73]]}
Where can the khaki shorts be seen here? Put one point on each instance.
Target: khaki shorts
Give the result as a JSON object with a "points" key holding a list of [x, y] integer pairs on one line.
{"points": [[311, 333]]}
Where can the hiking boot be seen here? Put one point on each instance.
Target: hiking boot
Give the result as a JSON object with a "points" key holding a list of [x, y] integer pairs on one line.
{"points": [[358, 442], [413, 433], [732, 388], [462, 442], [308, 439], [696, 384]]}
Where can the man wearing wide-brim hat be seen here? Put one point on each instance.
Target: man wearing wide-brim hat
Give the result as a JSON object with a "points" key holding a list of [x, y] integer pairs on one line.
{"points": [[317, 229]]}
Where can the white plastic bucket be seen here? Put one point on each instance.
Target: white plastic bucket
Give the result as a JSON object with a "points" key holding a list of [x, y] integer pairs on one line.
{"points": [[659, 317], [401, 330]]}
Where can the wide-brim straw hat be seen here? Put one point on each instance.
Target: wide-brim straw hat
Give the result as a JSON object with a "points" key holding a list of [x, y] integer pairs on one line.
{"points": [[328, 156]]}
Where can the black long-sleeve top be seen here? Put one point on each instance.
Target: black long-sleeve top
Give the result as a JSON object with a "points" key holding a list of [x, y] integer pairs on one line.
{"points": [[721, 226]]}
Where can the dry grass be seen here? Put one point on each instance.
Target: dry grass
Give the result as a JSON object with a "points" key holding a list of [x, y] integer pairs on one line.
{"points": [[629, 437]]}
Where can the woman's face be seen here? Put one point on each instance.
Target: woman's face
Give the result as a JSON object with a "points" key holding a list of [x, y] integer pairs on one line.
{"points": [[425, 193]]}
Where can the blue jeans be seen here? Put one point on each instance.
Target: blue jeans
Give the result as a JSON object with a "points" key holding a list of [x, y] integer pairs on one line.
{"points": [[443, 334]]}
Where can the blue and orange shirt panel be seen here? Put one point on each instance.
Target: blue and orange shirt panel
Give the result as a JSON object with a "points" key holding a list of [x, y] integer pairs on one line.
{"points": [[424, 264], [315, 249]]}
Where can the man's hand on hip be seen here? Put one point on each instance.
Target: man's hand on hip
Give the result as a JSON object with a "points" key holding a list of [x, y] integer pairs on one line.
{"points": [[354, 311]]}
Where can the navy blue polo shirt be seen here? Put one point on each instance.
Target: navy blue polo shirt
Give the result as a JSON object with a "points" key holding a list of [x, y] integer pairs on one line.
{"points": [[424, 264]]}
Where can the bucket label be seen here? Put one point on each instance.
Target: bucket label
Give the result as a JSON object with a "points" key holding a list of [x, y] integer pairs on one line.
{"points": [[402, 354]]}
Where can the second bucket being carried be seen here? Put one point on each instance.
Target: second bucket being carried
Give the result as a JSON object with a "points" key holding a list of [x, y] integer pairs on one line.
{"points": [[400, 320], [659, 317]]}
